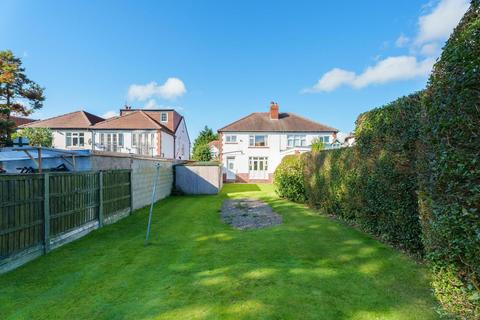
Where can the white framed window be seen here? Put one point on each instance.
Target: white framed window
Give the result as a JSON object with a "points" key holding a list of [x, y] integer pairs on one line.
{"points": [[163, 116], [134, 139], [258, 140], [324, 139], [231, 138], [296, 140], [257, 163], [143, 142], [75, 139], [112, 141]]}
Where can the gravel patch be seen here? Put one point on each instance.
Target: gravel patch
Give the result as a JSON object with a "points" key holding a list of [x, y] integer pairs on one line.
{"points": [[249, 214]]}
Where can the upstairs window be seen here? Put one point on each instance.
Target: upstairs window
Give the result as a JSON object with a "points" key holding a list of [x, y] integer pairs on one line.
{"points": [[163, 117], [258, 141], [296, 140], [230, 138]]}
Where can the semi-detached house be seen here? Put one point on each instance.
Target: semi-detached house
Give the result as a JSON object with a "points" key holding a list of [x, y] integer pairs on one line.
{"points": [[252, 147], [155, 132]]}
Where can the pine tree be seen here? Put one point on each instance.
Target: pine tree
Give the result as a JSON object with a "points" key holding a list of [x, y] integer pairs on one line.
{"points": [[18, 94]]}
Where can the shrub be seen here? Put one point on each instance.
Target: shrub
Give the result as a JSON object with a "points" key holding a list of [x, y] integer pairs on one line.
{"points": [[288, 178], [450, 175], [202, 153], [36, 136]]}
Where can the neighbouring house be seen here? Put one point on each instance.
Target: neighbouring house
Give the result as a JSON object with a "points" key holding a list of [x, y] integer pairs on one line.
{"points": [[71, 131], [154, 132], [252, 147], [214, 148]]}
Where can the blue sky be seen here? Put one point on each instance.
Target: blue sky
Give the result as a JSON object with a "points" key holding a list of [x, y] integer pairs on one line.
{"points": [[216, 61]]}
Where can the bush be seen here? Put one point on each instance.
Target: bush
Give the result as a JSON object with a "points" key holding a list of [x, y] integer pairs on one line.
{"points": [[450, 175], [202, 153], [36, 136], [374, 184], [288, 178]]}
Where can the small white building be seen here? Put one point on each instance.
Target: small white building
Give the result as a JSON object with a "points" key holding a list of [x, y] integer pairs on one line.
{"points": [[252, 147], [157, 133]]}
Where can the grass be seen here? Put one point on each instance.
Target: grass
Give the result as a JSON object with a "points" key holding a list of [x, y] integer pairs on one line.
{"points": [[196, 267]]}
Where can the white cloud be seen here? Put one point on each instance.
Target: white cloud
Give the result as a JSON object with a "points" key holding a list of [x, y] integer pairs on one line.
{"points": [[332, 80], [109, 114], [151, 104], [171, 89], [402, 41], [386, 70], [439, 23], [430, 49]]}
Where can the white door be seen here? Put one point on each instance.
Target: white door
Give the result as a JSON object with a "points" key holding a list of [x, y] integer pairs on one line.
{"points": [[231, 168], [258, 168]]}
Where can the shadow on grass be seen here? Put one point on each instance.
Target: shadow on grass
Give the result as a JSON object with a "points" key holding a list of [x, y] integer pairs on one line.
{"points": [[239, 187], [200, 268]]}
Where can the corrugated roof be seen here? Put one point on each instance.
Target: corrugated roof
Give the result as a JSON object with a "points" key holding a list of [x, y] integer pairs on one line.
{"points": [[287, 122], [74, 120]]}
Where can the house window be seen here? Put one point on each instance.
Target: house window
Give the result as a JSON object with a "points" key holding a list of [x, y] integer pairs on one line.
{"points": [[112, 142], [258, 163], [164, 117], [134, 139], [296, 140], [324, 139], [230, 138], [75, 139], [258, 141]]}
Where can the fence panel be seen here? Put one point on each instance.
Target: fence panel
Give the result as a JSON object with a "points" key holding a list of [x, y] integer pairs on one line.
{"points": [[116, 192], [73, 209], [21, 213], [74, 200]]}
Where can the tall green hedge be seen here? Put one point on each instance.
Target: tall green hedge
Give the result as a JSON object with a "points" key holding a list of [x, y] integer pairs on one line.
{"points": [[450, 184], [374, 184]]}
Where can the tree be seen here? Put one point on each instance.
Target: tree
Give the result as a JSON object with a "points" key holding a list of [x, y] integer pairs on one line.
{"points": [[317, 145], [36, 136], [202, 153], [18, 94], [204, 137]]}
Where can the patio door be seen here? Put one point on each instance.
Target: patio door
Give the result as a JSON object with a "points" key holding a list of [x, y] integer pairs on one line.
{"points": [[231, 171], [258, 168]]}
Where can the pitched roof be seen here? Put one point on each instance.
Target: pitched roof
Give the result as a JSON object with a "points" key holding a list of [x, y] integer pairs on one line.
{"points": [[287, 122], [19, 120], [133, 120], [77, 119]]}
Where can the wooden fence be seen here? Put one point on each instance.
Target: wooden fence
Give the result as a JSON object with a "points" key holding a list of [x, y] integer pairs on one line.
{"points": [[41, 211]]}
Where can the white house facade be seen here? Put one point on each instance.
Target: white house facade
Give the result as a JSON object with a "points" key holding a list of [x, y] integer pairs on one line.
{"points": [[252, 147], [156, 133]]}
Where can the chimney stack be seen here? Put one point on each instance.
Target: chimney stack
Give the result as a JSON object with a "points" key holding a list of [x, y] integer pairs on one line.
{"points": [[273, 110]]}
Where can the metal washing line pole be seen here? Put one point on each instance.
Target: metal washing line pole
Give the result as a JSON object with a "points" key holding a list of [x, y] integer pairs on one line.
{"points": [[157, 165]]}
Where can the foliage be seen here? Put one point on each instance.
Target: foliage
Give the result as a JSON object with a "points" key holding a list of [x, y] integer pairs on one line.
{"points": [[450, 170], [197, 267], [202, 153], [288, 178], [18, 94], [204, 137], [374, 183], [317, 145], [36, 136]]}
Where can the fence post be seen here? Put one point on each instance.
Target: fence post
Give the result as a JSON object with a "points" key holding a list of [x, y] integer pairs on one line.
{"points": [[46, 212], [131, 191], [100, 199]]}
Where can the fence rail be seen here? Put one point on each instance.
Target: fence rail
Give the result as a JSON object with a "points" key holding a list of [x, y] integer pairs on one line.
{"points": [[38, 209]]}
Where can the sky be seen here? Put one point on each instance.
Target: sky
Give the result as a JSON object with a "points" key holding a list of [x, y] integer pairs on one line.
{"points": [[217, 61]]}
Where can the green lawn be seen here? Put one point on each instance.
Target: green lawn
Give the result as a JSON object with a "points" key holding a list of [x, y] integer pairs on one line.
{"points": [[199, 268]]}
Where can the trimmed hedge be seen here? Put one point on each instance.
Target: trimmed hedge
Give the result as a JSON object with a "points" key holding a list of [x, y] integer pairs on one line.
{"points": [[288, 179], [374, 184], [450, 184]]}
